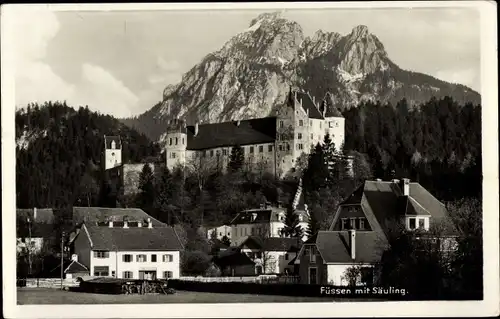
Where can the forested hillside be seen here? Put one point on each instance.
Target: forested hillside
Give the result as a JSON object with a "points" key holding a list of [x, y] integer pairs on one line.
{"points": [[59, 153]]}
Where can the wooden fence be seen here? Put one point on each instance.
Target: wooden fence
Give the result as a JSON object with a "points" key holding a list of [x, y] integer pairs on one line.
{"points": [[49, 283], [253, 279]]}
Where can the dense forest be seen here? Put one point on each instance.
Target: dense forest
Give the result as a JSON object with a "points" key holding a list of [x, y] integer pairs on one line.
{"points": [[59, 153]]}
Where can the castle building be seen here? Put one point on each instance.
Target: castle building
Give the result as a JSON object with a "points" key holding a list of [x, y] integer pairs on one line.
{"points": [[272, 144]]}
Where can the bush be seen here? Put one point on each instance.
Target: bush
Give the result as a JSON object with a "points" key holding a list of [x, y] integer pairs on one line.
{"points": [[195, 263], [213, 271]]}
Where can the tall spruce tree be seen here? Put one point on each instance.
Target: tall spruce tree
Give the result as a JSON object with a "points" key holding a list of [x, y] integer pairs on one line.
{"points": [[316, 173], [236, 159], [147, 190], [312, 224], [292, 227]]}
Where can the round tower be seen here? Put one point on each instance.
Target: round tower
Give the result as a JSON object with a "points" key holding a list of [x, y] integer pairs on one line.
{"points": [[175, 143]]}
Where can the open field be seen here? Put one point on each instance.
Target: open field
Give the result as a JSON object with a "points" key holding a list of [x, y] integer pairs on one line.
{"points": [[49, 296]]}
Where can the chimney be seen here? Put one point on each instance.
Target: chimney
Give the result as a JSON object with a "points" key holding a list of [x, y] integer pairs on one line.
{"points": [[238, 122], [110, 223], [34, 214], [307, 112], [150, 224], [196, 129], [406, 187], [352, 243], [378, 179], [254, 216], [125, 223], [74, 257]]}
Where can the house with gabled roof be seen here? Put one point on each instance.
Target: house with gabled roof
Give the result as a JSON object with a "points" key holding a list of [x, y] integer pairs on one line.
{"points": [[271, 255], [271, 144], [128, 249], [33, 227], [359, 232]]}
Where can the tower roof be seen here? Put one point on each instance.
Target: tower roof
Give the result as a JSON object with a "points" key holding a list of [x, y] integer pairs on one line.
{"points": [[109, 139]]}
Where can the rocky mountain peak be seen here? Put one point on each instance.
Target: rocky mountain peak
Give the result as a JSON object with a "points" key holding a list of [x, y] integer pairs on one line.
{"points": [[359, 31]]}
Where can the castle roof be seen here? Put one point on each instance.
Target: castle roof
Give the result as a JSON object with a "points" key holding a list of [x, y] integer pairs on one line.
{"points": [[309, 106], [244, 132]]}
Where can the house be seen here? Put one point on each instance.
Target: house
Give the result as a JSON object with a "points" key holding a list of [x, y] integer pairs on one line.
{"points": [[271, 255], [232, 263], [34, 226], [359, 232], [268, 220], [219, 232], [271, 144], [72, 269], [128, 249]]}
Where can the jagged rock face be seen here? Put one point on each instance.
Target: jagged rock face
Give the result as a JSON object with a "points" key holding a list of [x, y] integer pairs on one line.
{"points": [[251, 74]]}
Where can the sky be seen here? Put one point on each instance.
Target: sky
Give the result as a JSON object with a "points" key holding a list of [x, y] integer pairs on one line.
{"points": [[119, 62]]}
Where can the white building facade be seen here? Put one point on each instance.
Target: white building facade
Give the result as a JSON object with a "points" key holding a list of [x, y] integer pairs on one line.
{"points": [[129, 251]]}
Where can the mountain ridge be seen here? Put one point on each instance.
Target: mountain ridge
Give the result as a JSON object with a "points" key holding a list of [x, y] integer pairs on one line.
{"points": [[250, 75]]}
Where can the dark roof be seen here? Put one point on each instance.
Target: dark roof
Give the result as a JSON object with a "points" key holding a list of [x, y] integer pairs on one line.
{"points": [[132, 238], [75, 267], [43, 215], [217, 244], [331, 109], [272, 243], [308, 105], [244, 132], [382, 201], [109, 139], [38, 230], [334, 246], [266, 215], [102, 214], [234, 258]]}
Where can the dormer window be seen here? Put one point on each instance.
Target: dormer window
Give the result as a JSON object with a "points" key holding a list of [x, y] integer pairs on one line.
{"points": [[414, 223], [113, 145]]}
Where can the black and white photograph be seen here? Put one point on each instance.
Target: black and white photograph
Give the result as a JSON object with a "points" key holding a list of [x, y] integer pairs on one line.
{"points": [[250, 159]]}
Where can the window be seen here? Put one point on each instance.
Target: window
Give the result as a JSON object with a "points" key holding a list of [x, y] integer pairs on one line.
{"points": [[261, 149], [168, 274], [270, 148], [412, 223], [299, 136], [101, 254], [141, 258], [421, 223], [361, 223], [128, 275], [300, 146], [287, 147], [113, 273], [310, 123], [281, 124], [183, 141], [320, 126], [312, 136], [228, 234], [172, 155], [170, 141], [344, 224], [312, 255], [330, 124], [224, 152], [101, 271], [168, 258], [127, 258], [280, 147], [211, 153], [301, 123], [252, 231], [153, 258], [286, 256], [352, 223], [251, 149], [176, 141]]}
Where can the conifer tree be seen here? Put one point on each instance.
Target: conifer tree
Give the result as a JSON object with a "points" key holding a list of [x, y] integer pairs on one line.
{"points": [[292, 227], [236, 159], [146, 186]]}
